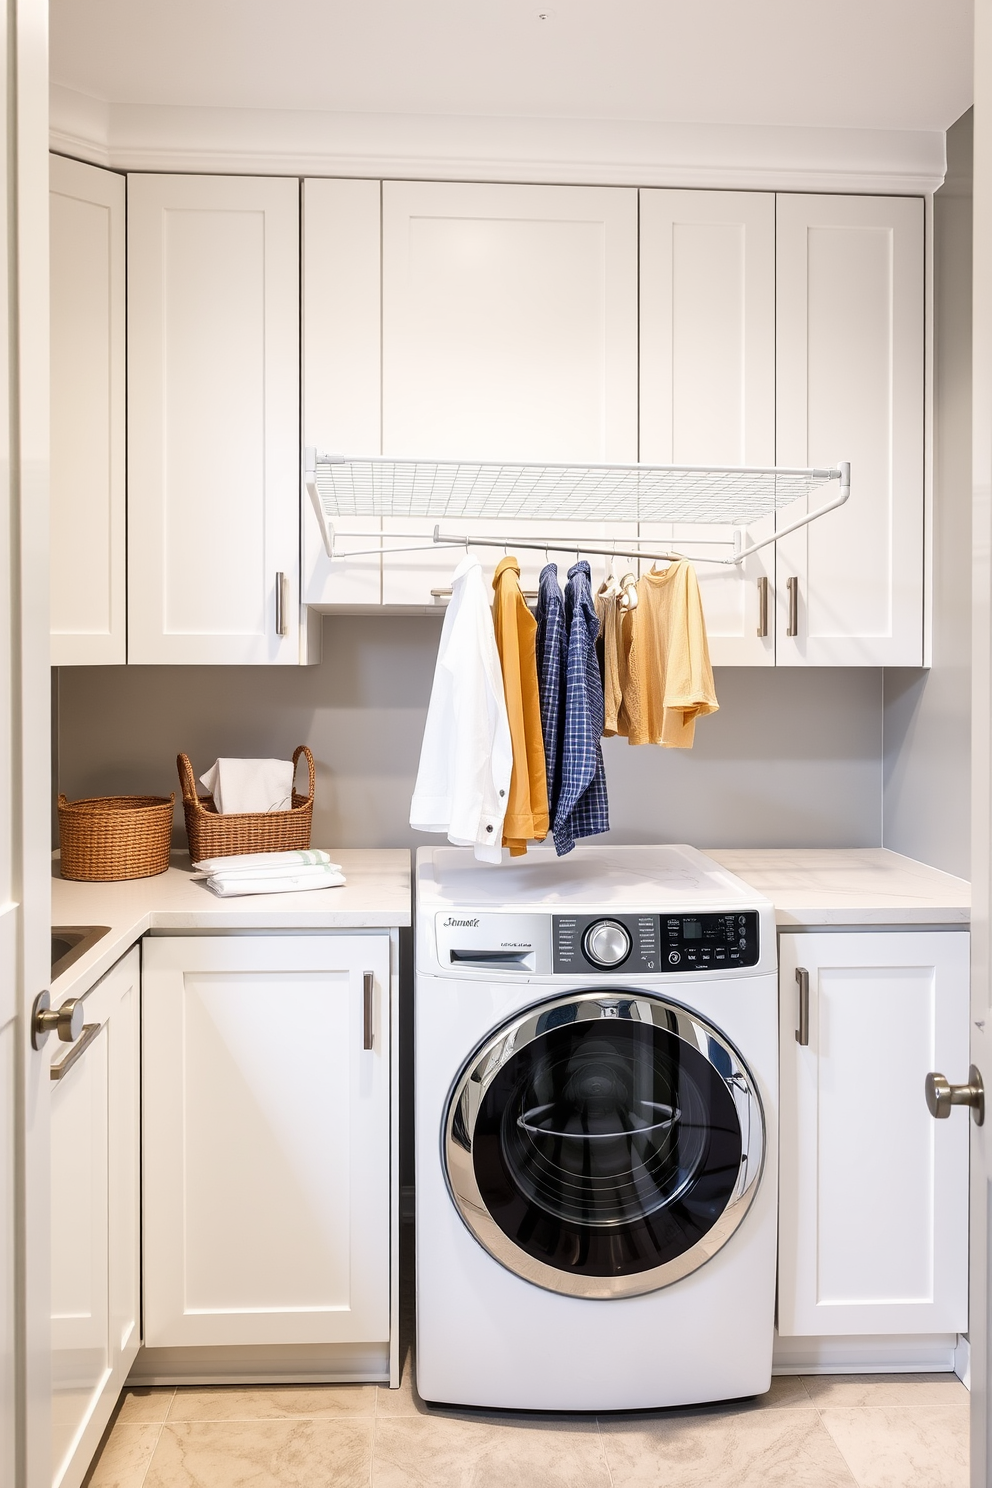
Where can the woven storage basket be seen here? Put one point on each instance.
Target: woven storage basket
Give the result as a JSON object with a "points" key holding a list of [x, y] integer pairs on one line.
{"points": [[107, 838], [212, 835]]}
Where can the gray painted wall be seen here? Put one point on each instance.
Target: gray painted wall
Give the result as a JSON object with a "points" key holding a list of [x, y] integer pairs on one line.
{"points": [[792, 758], [928, 714]]}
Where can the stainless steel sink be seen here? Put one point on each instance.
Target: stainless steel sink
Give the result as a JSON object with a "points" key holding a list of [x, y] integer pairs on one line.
{"points": [[69, 942]]}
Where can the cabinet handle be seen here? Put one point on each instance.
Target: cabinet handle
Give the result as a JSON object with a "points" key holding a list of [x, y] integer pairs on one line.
{"points": [[280, 604], [64, 1065], [763, 607], [66, 1021], [792, 629], [941, 1095], [368, 986], [802, 1032]]}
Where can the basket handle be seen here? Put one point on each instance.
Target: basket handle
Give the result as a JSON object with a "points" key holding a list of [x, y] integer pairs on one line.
{"points": [[302, 749], [186, 778]]}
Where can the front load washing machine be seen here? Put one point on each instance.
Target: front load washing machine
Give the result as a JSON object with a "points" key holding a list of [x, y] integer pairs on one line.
{"points": [[596, 1083]]}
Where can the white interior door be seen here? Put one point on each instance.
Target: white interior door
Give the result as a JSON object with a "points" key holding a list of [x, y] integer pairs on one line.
{"points": [[874, 1194], [88, 517], [850, 309], [213, 419], [266, 1215], [707, 384]]}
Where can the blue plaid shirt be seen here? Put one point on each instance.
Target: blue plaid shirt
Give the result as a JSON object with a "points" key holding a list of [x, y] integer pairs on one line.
{"points": [[581, 808], [552, 659]]}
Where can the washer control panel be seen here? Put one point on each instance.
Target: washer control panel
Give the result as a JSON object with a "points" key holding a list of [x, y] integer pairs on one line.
{"points": [[644, 945]]}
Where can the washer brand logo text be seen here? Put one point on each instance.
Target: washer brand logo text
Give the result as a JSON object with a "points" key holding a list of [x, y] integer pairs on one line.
{"points": [[473, 923]]}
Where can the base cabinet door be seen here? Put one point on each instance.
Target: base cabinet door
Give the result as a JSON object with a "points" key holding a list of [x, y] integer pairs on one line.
{"points": [[95, 1219], [266, 1123], [874, 1192]]}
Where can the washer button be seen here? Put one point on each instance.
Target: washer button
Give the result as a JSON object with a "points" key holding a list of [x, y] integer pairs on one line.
{"points": [[674, 958]]}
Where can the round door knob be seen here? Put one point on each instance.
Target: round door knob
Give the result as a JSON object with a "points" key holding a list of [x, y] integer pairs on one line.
{"points": [[942, 1095], [606, 943], [66, 1021]]}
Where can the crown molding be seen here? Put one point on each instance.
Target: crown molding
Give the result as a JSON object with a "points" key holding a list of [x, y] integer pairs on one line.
{"points": [[148, 137]]}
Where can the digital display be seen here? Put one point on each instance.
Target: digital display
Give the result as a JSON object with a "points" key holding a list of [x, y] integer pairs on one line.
{"points": [[692, 929]]}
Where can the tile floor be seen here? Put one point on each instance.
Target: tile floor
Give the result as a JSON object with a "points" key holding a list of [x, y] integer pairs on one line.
{"points": [[889, 1431]]}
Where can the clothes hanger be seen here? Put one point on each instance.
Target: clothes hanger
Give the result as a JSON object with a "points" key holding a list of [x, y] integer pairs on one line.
{"points": [[628, 592]]}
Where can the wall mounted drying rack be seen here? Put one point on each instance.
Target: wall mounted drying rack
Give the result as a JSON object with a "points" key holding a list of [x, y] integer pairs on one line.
{"points": [[449, 490]]}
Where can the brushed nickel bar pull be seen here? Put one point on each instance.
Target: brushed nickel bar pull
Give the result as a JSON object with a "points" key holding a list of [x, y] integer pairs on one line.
{"points": [[802, 1032], [64, 1065], [368, 986], [793, 627], [281, 629], [763, 607]]}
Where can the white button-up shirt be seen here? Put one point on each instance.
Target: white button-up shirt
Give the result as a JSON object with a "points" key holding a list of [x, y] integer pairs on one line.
{"points": [[466, 757]]}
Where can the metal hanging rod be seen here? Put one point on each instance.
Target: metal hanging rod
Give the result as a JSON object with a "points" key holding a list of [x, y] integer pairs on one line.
{"points": [[737, 497]]}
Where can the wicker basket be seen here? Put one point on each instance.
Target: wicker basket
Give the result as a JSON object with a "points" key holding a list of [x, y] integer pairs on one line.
{"points": [[212, 835], [107, 838]]}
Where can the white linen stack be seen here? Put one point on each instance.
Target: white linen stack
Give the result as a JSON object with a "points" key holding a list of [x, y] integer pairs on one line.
{"points": [[270, 873], [243, 785]]}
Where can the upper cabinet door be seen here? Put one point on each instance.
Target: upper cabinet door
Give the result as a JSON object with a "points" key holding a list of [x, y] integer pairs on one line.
{"points": [[88, 437], [509, 322], [213, 419], [850, 385], [707, 382]]}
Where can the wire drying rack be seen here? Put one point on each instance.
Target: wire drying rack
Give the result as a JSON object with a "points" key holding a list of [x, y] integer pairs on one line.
{"points": [[437, 491]]}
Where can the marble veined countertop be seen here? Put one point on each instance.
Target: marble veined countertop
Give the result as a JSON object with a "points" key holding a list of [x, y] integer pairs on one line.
{"points": [[812, 886]]}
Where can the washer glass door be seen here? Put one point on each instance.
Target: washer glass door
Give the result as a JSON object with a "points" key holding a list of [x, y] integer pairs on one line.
{"points": [[604, 1145]]}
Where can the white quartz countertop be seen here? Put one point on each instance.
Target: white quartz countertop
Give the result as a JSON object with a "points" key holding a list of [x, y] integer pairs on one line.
{"points": [[849, 886], [376, 896]]}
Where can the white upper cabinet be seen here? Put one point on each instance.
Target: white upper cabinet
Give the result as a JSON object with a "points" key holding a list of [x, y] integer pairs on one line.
{"points": [[88, 437], [850, 386], [707, 383], [213, 419], [509, 332], [342, 368]]}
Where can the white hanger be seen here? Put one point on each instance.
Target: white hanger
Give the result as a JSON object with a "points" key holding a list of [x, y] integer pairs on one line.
{"points": [[628, 594]]}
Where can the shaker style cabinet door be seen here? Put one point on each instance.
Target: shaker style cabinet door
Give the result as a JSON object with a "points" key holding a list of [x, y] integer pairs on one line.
{"points": [[95, 1219], [707, 384], [873, 1227], [213, 419], [266, 1157], [509, 332], [88, 436], [850, 385]]}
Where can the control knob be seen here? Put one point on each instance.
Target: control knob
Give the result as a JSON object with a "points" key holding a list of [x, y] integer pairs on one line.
{"points": [[606, 943]]}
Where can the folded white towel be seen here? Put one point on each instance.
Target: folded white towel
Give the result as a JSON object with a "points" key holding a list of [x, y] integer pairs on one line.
{"points": [[251, 862], [325, 876], [240, 785]]}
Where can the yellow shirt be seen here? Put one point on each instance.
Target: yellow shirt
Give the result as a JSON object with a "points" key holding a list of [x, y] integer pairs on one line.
{"points": [[516, 641], [670, 659], [619, 685]]}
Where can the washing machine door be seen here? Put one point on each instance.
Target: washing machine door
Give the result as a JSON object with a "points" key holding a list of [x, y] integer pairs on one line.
{"points": [[604, 1145]]}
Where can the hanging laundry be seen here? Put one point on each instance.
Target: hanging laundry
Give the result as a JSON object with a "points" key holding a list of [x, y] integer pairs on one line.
{"points": [[552, 661], [671, 680], [616, 627], [516, 632], [466, 759], [582, 808]]}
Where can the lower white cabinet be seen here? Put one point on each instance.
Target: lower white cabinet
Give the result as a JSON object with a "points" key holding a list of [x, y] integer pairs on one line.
{"points": [[95, 1219], [266, 1131], [874, 1192]]}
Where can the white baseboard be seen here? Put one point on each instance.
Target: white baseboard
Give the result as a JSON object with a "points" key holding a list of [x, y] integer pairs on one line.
{"points": [[962, 1360], [896, 1354], [304, 1365]]}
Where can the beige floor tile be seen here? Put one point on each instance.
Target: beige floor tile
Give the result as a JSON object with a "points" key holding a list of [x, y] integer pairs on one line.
{"points": [[262, 1454], [126, 1454], [145, 1404], [903, 1447], [272, 1402], [444, 1451], [405, 1401], [885, 1389], [750, 1449]]}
